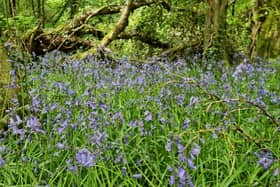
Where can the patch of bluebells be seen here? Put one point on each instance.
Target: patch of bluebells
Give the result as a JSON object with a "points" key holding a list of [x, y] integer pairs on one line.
{"points": [[85, 105], [265, 158], [85, 157]]}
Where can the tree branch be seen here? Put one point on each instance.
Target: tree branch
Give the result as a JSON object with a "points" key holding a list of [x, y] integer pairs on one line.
{"points": [[82, 19], [122, 23]]}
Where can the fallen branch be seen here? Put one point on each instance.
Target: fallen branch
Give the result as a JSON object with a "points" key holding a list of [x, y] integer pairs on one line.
{"points": [[145, 39], [181, 47], [121, 25]]}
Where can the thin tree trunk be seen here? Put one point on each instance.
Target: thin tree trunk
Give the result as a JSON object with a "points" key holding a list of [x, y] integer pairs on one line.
{"points": [[61, 12], [12, 7], [74, 7], [43, 13], [255, 28], [5, 8], [33, 8], [39, 9]]}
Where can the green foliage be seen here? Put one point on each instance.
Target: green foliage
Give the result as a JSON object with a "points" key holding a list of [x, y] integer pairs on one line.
{"points": [[170, 21]]}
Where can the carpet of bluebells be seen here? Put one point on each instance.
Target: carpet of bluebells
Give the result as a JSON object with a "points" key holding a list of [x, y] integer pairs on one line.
{"points": [[144, 124]]}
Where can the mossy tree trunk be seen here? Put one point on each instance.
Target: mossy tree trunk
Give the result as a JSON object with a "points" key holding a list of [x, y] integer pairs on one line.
{"points": [[268, 38], [12, 95], [256, 25], [12, 7], [5, 79], [41, 12], [215, 35], [74, 7]]}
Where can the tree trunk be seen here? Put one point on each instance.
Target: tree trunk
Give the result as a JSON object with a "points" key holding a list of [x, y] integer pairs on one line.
{"points": [[41, 12], [13, 8], [215, 36], [265, 34], [5, 79], [256, 25], [74, 7]]}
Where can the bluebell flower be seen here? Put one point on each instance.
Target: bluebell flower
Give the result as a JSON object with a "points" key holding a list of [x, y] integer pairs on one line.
{"points": [[172, 180], [180, 147], [2, 162], [72, 168], [85, 158], [170, 169], [265, 162], [3, 149], [117, 116], [186, 123], [181, 173], [214, 135], [148, 116], [133, 123], [14, 127], [265, 158], [60, 145], [123, 171], [98, 138], [62, 126], [184, 178], [195, 151], [191, 164], [168, 146], [201, 140], [34, 124], [193, 101], [276, 172], [137, 176], [182, 157], [180, 99]]}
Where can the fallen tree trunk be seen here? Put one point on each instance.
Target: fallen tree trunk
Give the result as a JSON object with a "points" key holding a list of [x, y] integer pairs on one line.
{"points": [[70, 37], [180, 48], [154, 42]]}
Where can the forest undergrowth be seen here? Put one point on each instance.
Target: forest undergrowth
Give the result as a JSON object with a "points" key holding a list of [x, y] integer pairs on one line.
{"points": [[158, 123]]}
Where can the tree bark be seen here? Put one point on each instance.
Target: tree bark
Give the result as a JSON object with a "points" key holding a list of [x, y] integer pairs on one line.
{"points": [[74, 7], [12, 5], [256, 26], [265, 30], [215, 30]]}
